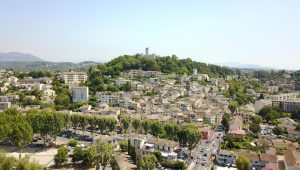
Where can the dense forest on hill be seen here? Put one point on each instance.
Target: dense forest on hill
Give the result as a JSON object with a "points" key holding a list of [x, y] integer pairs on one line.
{"points": [[168, 64], [98, 81]]}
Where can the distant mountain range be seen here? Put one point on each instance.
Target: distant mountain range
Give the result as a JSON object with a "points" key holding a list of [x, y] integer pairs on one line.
{"points": [[246, 66], [16, 56]]}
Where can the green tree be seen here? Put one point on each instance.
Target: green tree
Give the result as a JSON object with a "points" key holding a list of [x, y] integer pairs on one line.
{"points": [[126, 124], [124, 145], [225, 121], [129, 147], [146, 124], [75, 120], [171, 130], [255, 128], [230, 143], [111, 124], [243, 163], [102, 68], [158, 155], [58, 124], [256, 119], [89, 156], [83, 121], [156, 128], [189, 136], [233, 105], [193, 137], [148, 162], [62, 100], [92, 120], [61, 157], [278, 130], [103, 154], [136, 123], [77, 154], [174, 165], [21, 133]]}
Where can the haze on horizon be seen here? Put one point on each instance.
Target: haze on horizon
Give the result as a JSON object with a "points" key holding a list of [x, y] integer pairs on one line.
{"points": [[249, 32]]}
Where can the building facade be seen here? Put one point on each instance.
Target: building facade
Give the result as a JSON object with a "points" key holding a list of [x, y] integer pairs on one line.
{"points": [[80, 94], [73, 77]]}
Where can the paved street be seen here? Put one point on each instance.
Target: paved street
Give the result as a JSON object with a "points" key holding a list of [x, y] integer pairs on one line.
{"points": [[202, 153]]}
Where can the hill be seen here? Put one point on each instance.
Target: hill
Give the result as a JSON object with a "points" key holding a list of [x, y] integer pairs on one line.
{"points": [[16, 56], [167, 64]]}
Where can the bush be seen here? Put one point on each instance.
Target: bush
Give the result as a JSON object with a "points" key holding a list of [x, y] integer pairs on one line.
{"points": [[158, 155], [124, 145], [77, 154], [73, 143], [174, 165], [61, 157]]}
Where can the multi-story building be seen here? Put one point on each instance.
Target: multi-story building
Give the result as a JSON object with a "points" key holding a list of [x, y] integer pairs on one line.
{"points": [[80, 94], [288, 105], [121, 81], [136, 73], [106, 98], [282, 97], [73, 77]]}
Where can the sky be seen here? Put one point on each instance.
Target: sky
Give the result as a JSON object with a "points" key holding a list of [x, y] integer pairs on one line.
{"points": [[262, 32]]}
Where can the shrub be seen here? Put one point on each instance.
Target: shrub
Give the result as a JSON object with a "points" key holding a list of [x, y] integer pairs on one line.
{"points": [[73, 143]]}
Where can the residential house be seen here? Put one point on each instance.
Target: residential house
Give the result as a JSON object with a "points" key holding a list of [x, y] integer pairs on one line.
{"points": [[166, 147], [235, 128], [258, 160], [287, 123]]}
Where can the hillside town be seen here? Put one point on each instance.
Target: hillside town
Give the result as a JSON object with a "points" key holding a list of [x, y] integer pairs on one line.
{"points": [[151, 119]]}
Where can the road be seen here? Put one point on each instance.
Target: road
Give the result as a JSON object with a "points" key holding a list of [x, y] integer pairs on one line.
{"points": [[203, 152]]}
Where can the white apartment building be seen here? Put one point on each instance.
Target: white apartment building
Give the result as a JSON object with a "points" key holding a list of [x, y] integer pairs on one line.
{"points": [[281, 97], [80, 94], [73, 77], [288, 105], [121, 81], [136, 73], [106, 98]]}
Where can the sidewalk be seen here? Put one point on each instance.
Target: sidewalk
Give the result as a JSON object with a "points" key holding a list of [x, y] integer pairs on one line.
{"points": [[124, 161], [191, 166]]}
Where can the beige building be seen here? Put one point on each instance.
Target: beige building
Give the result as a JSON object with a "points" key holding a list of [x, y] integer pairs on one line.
{"points": [[73, 77], [282, 97], [287, 106]]}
